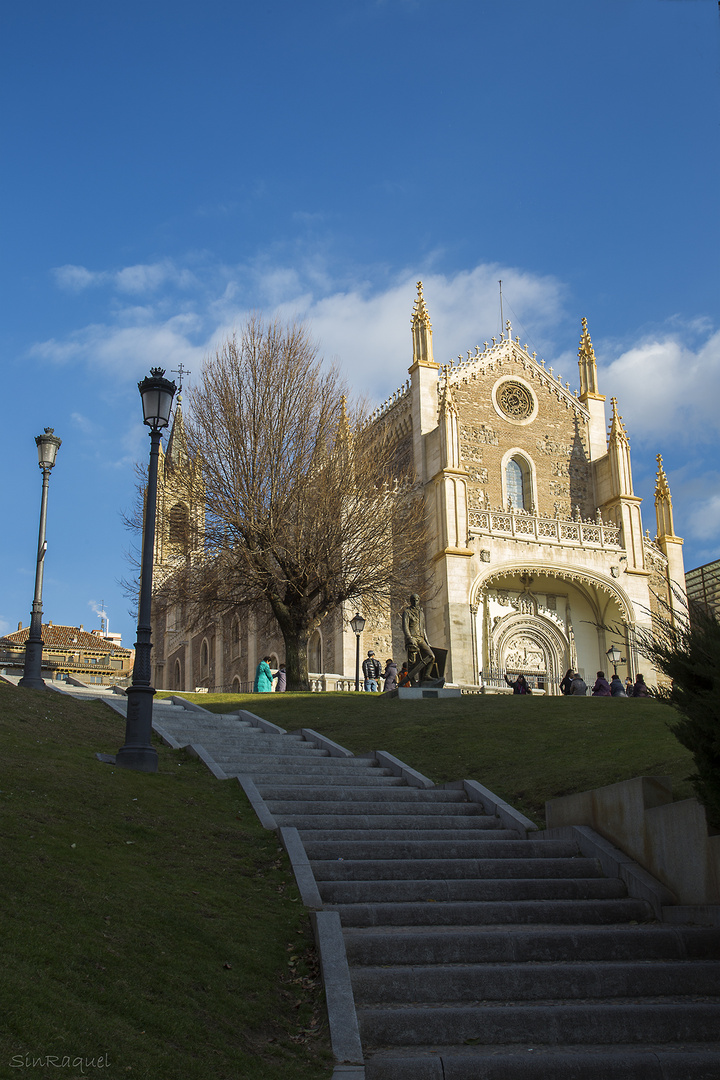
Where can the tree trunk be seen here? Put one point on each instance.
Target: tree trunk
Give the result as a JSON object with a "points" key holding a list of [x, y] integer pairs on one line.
{"points": [[293, 627]]}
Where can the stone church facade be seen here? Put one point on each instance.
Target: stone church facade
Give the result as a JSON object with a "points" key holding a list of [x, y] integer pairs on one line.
{"points": [[538, 558]]}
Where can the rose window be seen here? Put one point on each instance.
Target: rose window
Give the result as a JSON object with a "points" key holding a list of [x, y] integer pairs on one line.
{"points": [[515, 400]]}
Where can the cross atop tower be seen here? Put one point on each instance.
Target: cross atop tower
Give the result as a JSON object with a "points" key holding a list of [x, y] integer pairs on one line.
{"points": [[180, 371]]}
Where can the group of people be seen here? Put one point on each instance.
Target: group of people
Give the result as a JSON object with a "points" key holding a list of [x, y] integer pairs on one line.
{"points": [[265, 676], [391, 678], [574, 684]]}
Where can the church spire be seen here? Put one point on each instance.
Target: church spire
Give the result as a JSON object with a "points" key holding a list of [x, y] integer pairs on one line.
{"points": [[619, 454], [176, 455], [344, 433], [663, 503], [617, 428], [670, 545], [587, 365], [421, 331]]}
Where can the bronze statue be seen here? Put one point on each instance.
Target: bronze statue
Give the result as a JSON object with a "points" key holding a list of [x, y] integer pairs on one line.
{"points": [[420, 656]]}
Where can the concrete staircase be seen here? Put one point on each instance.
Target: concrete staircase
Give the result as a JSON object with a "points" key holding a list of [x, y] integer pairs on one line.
{"points": [[476, 952]]}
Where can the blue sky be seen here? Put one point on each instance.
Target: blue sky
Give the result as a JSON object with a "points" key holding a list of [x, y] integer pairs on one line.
{"points": [[169, 166]]}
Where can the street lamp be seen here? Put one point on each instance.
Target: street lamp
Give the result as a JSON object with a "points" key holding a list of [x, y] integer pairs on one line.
{"points": [[47, 446], [138, 752], [358, 625], [613, 655]]}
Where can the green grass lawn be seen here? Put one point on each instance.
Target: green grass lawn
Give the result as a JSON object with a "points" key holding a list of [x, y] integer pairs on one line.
{"points": [[146, 919], [525, 749]]}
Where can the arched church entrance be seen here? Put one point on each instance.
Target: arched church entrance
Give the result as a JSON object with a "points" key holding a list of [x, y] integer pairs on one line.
{"points": [[538, 622], [530, 645]]}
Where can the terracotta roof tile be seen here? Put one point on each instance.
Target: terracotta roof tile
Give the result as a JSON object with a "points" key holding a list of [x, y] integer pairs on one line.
{"points": [[66, 637]]}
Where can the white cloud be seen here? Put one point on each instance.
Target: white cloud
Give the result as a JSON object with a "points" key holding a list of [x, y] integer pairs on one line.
{"points": [[77, 278], [141, 278], [82, 423], [145, 278], [704, 520], [666, 389], [667, 383], [366, 329], [128, 351]]}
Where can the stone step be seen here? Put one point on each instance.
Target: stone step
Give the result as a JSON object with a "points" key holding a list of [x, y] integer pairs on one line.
{"points": [[359, 808], [379, 778], [599, 1022], [494, 913], [533, 982], [323, 765], [503, 889], [496, 847], [413, 833], [453, 869], [330, 772], [251, 740], [262, 760], [345, 823], [338, 796], [573, 1062], [532, 945]]}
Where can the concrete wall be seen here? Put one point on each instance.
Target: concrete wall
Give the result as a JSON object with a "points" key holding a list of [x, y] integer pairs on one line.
{"points": [[669, 839]]}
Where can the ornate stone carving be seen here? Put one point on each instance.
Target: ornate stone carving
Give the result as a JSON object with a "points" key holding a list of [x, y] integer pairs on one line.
{"points": [[515, 400]]}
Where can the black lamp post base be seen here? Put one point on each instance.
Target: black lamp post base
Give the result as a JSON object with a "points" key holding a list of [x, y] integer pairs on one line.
{"points": [[33, 664], [139, 758], [138, 752], [32, 684]]}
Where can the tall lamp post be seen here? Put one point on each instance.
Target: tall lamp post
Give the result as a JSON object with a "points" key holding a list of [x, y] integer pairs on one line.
{"points": [[138, 752], [358, 625], [47, 446], [613, 655]]}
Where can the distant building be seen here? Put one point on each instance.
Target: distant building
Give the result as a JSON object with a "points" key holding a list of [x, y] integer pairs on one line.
{"points": [[538, 554], [703, 587], [70, 652]]}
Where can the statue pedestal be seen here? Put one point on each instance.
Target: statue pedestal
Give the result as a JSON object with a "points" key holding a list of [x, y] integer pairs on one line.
{"points": [[412, 693]]}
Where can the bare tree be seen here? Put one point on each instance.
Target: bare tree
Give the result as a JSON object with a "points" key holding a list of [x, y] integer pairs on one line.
{"points": [[306, 506]]}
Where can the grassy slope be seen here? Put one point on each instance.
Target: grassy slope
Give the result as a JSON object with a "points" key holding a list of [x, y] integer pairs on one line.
{"points": [[526, 750], [146, 917]]}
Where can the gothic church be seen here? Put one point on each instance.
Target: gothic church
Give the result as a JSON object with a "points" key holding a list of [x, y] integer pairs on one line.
{"points": [[538, 554]]}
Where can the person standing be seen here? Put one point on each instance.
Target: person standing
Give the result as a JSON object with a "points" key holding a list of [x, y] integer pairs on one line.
{"points": [[567, 682], [281, 680], [371, 672], [616, 687], [578, 687], [628, 687], [263, 677], [519, 686], [390, 675]]}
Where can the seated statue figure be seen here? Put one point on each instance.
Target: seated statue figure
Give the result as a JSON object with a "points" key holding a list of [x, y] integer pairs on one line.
{"points": [[420, 656]]}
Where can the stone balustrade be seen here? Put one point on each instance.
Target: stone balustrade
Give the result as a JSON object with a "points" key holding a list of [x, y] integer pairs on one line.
{"points": [[544, 530]]}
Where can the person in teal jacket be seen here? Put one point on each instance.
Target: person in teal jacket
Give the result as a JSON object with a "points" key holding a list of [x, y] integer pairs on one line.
{"points": [[263, 677]]}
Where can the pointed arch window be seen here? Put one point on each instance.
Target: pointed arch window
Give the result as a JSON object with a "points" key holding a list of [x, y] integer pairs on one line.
{"points": [[179, 526], [315, 652], [518, 483]]}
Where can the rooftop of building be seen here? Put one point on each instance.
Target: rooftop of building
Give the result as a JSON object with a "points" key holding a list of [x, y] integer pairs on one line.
{"points": [[66, 637]]}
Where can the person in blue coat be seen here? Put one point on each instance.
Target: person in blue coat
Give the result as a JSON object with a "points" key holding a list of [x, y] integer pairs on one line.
{"points": [[263, 677]]}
